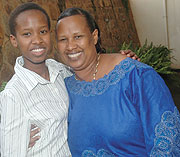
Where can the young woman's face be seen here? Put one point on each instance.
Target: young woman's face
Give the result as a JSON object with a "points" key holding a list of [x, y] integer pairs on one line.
{"points": [[75, 42], [32, 37]]}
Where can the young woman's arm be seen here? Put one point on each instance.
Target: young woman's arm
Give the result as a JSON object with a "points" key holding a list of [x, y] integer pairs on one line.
{"points": [[14, 126]]}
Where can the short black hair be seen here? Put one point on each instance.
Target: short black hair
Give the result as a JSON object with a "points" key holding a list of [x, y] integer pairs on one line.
{"points": [[21, 8], [90, 21]]}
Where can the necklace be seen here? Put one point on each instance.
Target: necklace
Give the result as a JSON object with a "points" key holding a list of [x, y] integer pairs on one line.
{"points": [[96, 67]]}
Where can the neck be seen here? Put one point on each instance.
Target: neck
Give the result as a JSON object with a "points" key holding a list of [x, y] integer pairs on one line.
{"points": [[89, 74], [40, 69]]}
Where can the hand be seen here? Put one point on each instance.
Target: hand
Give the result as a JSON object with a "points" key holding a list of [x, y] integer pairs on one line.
{"points": [[130, 54], [34, 131]]}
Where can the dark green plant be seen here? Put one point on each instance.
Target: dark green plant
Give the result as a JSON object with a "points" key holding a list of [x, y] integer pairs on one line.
{"points": [[159, 57], [3, 86]]}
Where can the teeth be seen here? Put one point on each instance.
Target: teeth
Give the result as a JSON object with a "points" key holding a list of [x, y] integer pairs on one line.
{"points": [[37, 50], [74, 55]]}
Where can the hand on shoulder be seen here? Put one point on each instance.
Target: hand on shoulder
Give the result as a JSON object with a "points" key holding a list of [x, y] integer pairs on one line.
{"points": [[130, 54]]}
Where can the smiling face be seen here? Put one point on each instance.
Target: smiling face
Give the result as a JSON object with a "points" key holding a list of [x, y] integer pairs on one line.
{"points": [[75, 42], [32, 37]]}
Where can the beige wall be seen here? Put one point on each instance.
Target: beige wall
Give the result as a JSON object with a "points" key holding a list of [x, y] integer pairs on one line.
{"points": [[158, 21], [174, 29]]}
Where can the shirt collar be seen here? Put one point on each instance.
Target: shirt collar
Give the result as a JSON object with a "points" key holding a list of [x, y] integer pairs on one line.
{"points": [[32, 79]]}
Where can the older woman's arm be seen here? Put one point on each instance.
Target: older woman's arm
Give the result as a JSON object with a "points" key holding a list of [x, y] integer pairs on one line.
{"points": [[159, 115], [33, 135]]}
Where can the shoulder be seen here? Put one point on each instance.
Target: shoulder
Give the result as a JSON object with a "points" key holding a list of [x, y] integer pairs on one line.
{"points": [[108, 62], [63, 69], [54, 63], [113, 58], [13, 87], [124, 63]]}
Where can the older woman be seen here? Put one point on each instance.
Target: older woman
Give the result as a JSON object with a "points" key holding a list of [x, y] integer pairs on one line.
{"points": [[118, 106]]}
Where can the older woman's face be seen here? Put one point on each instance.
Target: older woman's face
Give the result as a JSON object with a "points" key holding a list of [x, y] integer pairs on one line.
{"points": [[75, 42]]}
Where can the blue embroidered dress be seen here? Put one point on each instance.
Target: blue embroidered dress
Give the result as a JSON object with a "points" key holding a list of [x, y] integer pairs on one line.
{"points": [[127, 113]]}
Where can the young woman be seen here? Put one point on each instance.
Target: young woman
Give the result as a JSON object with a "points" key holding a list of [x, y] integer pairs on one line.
{"points": [[36, 94]]}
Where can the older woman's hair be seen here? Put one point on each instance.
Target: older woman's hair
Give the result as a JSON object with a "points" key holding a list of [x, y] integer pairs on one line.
{"points": [[90, 21]]}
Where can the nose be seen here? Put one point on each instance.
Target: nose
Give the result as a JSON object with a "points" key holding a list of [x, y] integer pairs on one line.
{"points": [[37, 39], [71, 44]]}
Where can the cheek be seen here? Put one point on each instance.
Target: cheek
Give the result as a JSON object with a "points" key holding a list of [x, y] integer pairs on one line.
{"points": [[22, 44], [61, 47], [85, 43], [61, 50], [62, 57], [58, 46], [48, 41]]}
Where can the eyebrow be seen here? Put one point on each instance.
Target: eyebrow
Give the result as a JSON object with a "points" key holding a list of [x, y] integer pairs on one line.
{"points": [[44, 26]]}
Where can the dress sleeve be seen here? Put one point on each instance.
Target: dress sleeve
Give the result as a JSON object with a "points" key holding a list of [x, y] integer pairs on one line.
{"points": [[14, 127], [160, 117]]}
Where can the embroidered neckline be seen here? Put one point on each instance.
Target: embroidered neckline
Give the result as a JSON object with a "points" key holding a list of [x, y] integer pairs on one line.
{"points": [[97, 87]]}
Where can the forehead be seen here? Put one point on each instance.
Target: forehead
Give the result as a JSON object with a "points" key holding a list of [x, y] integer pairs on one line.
{"points": [[73, 22], [32, 15]]}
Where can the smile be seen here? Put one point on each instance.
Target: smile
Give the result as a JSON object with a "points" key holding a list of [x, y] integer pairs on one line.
{"points": [[38, 50], [73, 55]]}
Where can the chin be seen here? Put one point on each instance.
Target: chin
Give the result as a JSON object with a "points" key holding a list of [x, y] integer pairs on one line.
{"points": [[76, 68], [75, 64]]}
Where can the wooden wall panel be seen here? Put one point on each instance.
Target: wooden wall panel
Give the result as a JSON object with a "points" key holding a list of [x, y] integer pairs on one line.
{"points": [[116, 25]]}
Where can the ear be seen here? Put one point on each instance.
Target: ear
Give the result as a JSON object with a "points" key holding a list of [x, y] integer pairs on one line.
{"points": [[95, 36], [13, 41]]}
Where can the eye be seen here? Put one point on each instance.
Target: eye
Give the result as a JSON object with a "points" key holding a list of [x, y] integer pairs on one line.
{"points": [[43, 31], [26, 34], [78, 36], [62, 40]]}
